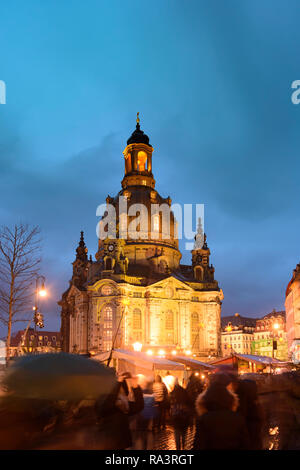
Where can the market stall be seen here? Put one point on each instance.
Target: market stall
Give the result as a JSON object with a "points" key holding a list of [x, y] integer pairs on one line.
{"points": [[141, 363], [250, 363]]}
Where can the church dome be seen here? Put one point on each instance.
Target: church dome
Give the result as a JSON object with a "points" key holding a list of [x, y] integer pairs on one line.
{"points": [[138, 136]]}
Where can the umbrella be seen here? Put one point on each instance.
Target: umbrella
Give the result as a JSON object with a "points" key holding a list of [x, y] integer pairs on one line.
{"points": [[58, 376]]}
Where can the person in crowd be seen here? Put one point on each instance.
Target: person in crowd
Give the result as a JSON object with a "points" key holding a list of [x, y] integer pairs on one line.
{"points": [[113, 414], [218, 425], [179, 413], [250, 409], [147, 416], [194, 388], [249, 406], [161, 401]]}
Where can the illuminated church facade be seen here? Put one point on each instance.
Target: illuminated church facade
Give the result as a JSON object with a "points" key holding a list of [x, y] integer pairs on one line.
{"points": [[136, 292]]}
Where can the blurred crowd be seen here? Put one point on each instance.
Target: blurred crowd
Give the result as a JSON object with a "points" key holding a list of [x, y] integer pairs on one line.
{"points": [[223, 409]]}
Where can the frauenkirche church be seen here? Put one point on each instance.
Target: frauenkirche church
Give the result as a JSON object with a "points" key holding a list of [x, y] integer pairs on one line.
{"points": [[136, 291]]}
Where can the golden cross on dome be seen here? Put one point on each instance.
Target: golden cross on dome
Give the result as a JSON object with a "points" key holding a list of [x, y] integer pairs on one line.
{"points": [[137, 118]]}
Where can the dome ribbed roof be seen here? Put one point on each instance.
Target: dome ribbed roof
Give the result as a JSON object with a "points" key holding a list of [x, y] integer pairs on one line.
{"points": [[138, 137]]}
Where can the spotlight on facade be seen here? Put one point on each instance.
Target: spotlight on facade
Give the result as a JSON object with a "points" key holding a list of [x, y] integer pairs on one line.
{"points": [[149, 352], [276, 326], [125, 301], [161, 352], [137, 346]]}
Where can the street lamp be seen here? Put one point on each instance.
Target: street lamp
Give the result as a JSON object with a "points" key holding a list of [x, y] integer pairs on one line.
{"points": [[40, 291], [38, 318], [161, 353], [137, 346]]}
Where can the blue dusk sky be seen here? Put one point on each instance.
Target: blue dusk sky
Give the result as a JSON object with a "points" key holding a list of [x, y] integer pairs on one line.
{"points": [[212, 82]]}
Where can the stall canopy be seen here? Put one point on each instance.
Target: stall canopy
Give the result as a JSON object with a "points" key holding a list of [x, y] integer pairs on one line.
{"points": [[141, 360], [193, 364], [263, 360]]}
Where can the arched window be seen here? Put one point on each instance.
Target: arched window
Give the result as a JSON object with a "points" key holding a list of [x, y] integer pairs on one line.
{"points": [[106, 290], [169, 320], [169, 327], [108, 264], [137, 325], [195, 331], [137, 319], [163, 266], [198, 273], [141, 160], [107, 318]]}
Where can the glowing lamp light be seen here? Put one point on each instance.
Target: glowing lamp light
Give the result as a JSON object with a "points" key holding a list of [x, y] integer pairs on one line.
{"points": [[149, 352], [174, 353], [137, 346], [42, 292], [188, 352], [169, 382], [202, 376], [125, 301], [196, 373], [276, 326], [161, 352]]}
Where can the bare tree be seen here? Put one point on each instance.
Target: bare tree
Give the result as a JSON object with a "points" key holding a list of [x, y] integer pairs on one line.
{"points": [[19, 266]]}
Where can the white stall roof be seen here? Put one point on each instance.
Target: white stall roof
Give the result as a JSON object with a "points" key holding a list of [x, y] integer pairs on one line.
{"points": [[190, 362], [251, 358], [142, 360]]}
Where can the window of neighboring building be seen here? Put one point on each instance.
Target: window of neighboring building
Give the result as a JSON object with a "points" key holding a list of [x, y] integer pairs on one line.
{"points": [[46, 338]]}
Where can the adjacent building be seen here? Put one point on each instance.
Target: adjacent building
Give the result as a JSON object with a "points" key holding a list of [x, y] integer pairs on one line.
{"points": [[237, 334], [270, 337], [136, 293], [292, 307], [34, 341]]}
